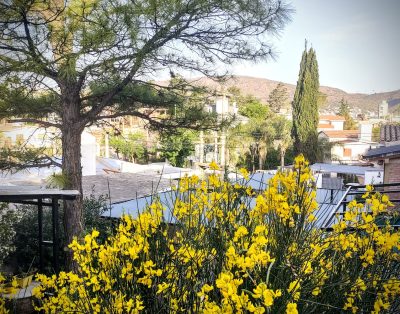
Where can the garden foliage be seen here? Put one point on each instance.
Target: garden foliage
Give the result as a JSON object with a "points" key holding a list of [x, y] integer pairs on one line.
{"points": [[223, 255]]}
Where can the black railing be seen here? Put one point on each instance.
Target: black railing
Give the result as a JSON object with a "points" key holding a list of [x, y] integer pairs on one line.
{"points": [[352, 191]]}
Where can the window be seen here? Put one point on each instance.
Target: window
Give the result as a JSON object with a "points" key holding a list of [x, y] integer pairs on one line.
{"points": [[346, 152]]}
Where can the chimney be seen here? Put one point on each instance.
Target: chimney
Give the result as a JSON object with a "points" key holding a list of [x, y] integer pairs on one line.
{"points": [[365, 129]]}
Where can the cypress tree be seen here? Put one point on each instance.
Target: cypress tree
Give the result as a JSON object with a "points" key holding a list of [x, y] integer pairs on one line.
{"points": [[305, 106]]}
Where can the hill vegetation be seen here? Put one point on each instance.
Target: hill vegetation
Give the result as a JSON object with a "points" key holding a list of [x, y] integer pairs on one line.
{"points": [[261, 88]]}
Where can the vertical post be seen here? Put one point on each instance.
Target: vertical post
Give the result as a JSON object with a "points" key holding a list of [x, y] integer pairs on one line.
{"points": [[54, 207], [216, 146], [331, 196], [223, 152], [106, 146], [201, 155], [40, 227]]}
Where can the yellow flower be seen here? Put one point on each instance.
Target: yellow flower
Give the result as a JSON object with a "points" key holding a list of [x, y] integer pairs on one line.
{"points": [[244, 173], [291, 308], [214, 166]]}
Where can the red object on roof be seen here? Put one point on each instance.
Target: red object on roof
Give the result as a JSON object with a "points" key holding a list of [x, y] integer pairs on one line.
{"points": [[332, 117]]}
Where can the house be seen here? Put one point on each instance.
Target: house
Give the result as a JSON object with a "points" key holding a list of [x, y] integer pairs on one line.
{"points": [[331, 122], [332, 176], [36, 137], [347, 145], [212, 145], [388, 154], [383, 109]]}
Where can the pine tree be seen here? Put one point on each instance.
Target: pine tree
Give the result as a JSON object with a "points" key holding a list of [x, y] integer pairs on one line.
{"points": [[305, 106], [277, 98], [344, 110], [86, 61]]}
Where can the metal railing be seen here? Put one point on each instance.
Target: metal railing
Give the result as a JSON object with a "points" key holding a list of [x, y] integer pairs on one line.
{"points": [[352, 191]]}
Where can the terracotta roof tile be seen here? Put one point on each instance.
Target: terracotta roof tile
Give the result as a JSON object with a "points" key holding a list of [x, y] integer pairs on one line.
{"points": [[332, 117], [345, 134], [325, 126], [390, 133]]}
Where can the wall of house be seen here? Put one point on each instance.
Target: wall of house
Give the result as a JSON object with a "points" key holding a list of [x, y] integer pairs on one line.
{"points": [[373, 177], [392, 170], [222, 105], [88, 154], [392, 175], [365, 132], [357, 149], [337, 125]]}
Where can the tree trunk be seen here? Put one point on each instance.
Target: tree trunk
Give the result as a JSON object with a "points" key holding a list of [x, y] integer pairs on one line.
{"points": [[283, 151], [72, 170]]}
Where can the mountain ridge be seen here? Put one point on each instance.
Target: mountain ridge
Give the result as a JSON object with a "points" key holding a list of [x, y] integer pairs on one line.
{"points": [[262, 87]]}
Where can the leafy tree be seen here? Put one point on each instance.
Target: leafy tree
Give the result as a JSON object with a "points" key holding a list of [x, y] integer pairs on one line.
{"points": [[305, 106], [283, 138], [376, 133], [251, 107], [177, 147], [278, 97], [89, 60], [323, 149], [132, 146], [344, 110]]}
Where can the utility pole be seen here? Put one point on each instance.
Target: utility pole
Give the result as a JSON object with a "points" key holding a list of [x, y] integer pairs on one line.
{"points": [[216, 146], [106, 148], [223, 148], [201, 148]]}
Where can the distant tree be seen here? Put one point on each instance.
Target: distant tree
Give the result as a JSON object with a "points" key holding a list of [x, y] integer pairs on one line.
{"points": [[305, 106], [376, 133], [344, 110], [323, 149], [283, 138], [278, 97], [251, 107], [131, 146], [178, 146]]}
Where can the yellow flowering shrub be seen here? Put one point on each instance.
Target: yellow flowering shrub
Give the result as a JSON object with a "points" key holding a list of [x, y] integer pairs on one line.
{"points": [[224, 255]]}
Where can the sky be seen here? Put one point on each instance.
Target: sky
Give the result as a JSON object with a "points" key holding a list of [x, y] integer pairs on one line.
{"points": [[357, 44]]}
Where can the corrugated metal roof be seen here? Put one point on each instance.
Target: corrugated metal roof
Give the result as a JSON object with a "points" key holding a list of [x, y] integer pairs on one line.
{"points": [[327, 200], [345, 169], [385, 151]]}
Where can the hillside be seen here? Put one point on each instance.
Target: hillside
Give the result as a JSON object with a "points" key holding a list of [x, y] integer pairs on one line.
{"points": [[261, 88]]}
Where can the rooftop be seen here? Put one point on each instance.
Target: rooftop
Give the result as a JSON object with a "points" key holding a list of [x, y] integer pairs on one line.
{"points": [[332, 117], [382, 152], [345, 169], [342, 134], [390, 133], [123, 186], [325, 126]]}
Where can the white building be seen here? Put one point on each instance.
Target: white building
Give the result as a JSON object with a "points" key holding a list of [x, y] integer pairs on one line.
{"points": [[349, 145], [33, 136], [383, 109], [331, 122]]}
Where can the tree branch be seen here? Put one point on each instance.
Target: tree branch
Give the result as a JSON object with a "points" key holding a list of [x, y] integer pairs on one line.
{"points": [[45, 124]]}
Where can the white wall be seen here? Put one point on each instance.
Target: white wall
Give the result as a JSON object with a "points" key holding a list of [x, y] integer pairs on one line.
{"points": [[337, 125], [373, 177], [88, 154], [365, 132], [222, 105]]}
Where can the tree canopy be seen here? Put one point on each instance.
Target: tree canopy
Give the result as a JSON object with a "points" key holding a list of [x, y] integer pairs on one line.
{"points": [[278, 97], [89, 60], [344, 110]]}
